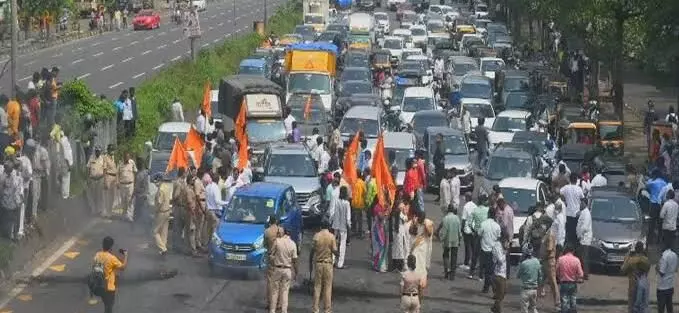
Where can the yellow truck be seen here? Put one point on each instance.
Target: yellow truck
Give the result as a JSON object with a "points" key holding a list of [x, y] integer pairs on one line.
{"points": [[311, 69]]}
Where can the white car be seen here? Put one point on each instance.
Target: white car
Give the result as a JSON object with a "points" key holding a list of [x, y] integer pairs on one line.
{"points": [[436, 27], [481, 10], [382, 21], [507, 123], [419, 33], [426, 63], [395, 46], [479, 108], [416, 99], [490, 65], [200, 5], [406, 34], [404, 145]]}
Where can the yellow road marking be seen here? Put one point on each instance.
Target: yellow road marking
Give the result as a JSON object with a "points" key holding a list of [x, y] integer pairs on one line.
{"points": [[72, 254], [6, 311], [25, 297], [58, 268]]}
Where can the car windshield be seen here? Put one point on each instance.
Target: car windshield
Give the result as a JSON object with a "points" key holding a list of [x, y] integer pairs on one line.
{"points": [[418, 32], [326, 37], [516, 84], [610, 132], [420, 123], [481, 8], [501, 167], [356, 60], [355, 75], [481, 23], [410, 66], [482, 91], [265, 131], [354, 88], [461, 69], [381, 17], [507, 124], [251, 210], [165, 140], [615, 209], [520, 199], [415, 104], [251, 70], [446, 10], [401, 156], [291, 165], [305, 30], [397, 94], [452, 145], [313, 19], [492, 66], [308, 83], [517, 101], [436, 28], [159, 165], [316, 114], [477, 110], [351, 126], [393, 44], [406, 54]]}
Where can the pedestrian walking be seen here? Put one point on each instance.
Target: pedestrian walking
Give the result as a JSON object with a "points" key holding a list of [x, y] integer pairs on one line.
{"points": [[482, 141], [531, 276], [569, 274], [161, 221], [126, 172], [284, 257], [573, 196], [370, 198], [666, 271], [467, 233], [499, 271], [446, 191], [421, 233], [649, 118], [179, 209], [177, 111], [655, 186], [271, 233], [401, 244], [479, 215], [636, 267], [41, 169], [412, 286], [668, 217], [109, 265], [439, 160], [505, 217], [584, 231], [214, 203], [26, 171], [95, 192], [141, 191], [323, 252], [548, 252], [489, 233], [450, 233], [341, 223], [110, 179]]}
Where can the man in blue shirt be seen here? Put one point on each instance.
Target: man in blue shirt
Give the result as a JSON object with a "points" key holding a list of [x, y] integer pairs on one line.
{"points": [[655, 187], [455, 97]]}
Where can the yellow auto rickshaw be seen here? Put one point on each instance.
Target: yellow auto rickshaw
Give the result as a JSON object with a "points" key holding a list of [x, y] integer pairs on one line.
{"points": [[611, 134], [381, 59], [289, 39], [583, 132]]}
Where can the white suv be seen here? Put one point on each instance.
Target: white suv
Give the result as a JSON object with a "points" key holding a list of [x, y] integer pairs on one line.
{"points": [[200, 5]]}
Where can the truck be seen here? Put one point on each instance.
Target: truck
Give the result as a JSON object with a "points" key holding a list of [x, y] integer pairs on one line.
{"points": [[316, 13], [262, 101], [361, 27], [311, 69]]}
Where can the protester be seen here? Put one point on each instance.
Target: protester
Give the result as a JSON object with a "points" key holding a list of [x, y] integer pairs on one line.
{"points": [[380, 236], [548, 252], [12, 198], [341, 223], [479, 215], [573, 196], [421, 232], [110, 265], [490, 234], [446, 192], [401, 243], [666, 269], [636, 266], [358, 193], [599, 180], [531, 275], [668, 218], [498, 264], [66, 165], [655, 186], [467, 233], [450, 234], [569, 274]]}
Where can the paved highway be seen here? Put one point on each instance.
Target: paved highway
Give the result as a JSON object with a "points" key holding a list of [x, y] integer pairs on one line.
{"points": [[117, 60]]}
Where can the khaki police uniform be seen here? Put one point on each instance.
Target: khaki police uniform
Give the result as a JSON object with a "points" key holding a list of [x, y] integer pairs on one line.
{"points": [[162, 219], [95, 194], [271, 233], [283, 256], [110, 179], [202, 237], [190, 218], [126, 173], [178, 211], [324, 246]]}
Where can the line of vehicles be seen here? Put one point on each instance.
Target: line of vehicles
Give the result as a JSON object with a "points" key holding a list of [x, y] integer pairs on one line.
{"points": [[327, 72]]}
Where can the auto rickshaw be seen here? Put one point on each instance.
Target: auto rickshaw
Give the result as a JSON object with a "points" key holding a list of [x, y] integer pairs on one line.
{"points": [[611, 135], [360, 43], [658, 131], [381, 60], [583, 132], [289, 39]]}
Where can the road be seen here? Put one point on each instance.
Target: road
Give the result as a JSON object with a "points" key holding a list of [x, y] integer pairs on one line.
{"points": [[117, 60]]}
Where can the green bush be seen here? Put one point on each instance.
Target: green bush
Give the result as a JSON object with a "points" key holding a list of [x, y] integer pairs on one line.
{"points": [[185, 80], [78, 95]]}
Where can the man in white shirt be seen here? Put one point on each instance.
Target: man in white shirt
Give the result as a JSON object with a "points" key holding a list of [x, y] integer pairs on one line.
{"points": [[490, 233], [213, 202], [466, 121], [311, 141], [573, 196], [323, 161], [499, 258], [177, 111], [288, 121], [467, 233], [584, 231], [318, 149], [666, 270], [201, 123], [668, 215], [599, 180], [559, 227], [445, 192], [455, 186]]}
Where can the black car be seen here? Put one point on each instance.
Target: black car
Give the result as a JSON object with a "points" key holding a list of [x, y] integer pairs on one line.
{"points": [[356, 73], [510, 160], [575, 155], [617, 224], [332, 37], [356, 59], [427, 118], [307, 32]]}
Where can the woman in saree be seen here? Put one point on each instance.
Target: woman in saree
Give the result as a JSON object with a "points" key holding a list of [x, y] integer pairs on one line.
{"points": [[380, 237], [421, 231]]}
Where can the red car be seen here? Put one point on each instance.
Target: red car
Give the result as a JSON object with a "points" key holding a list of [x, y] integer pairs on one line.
{"points": [[146, 19]]}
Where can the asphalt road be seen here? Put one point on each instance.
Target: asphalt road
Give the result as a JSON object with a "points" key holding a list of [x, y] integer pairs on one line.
{"points": [[117, 60]]}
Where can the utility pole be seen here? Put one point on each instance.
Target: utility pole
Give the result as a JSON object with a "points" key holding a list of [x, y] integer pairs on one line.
{"points": [[14, 42], [234, 13], [266, 15]]}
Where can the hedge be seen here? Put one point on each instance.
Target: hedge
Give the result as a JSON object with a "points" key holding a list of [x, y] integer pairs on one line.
{"points": [[185, 80]]}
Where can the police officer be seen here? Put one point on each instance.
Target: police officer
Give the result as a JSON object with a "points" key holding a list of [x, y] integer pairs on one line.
{"points": [[110, 178], [162, 216], [190, 213], [178, 207], [323, 251], [95, 171], [284, 260], [201, 210], [273, 232], [126, 173]]}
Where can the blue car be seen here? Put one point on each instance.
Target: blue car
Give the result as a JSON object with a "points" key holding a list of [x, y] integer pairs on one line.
{"points": [[257, 67], [238, 242]]}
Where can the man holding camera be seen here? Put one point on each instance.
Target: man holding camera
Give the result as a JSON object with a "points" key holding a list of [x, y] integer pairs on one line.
{"points": [[111, 265]]}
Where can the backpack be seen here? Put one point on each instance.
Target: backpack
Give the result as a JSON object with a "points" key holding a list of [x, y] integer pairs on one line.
{"points": [[96, 280]]}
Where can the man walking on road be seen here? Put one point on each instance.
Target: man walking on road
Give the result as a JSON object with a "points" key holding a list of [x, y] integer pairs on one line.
{"points": [[449, 231], [126, 173], [668, 216], [111, 265], [468, 234], [573, 196], [666, 270], [499, 270], [530, 274], [569, 274], [284, 257], [214, 203], [489, 234], [162, 217], [95, 170], [323, 252], [584, 231], [110, 178], [141, 191]]}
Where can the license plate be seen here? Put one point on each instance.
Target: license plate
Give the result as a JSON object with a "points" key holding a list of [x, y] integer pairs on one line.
{"points": [[615, 258], [236, 257], [515, 243]]}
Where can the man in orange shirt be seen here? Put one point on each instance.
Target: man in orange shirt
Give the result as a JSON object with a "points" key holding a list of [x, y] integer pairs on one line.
{"points": [[13, 115], [110, 264]]}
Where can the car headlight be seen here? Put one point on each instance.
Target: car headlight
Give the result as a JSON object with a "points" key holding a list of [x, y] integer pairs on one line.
{"points": [[314, 202], [216, 240], [259, 243]]}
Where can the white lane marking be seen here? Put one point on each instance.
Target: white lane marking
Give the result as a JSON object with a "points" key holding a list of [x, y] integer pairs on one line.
{"points": [[114, 38], [176, 58], [106, 67], [115, 85], [176, 41], [97, 54], [84, 76], [138, 75], [58, 55], [43, 267], [25, 78], [77, 49], [117, 48], [127, 60], [96, 44], [128, 35], [213, 16], [29, 63], [158, 66], [134, 43], [163, 46], [210, 28], [77, 61], [216, 40], [222, 13], [220, 24], [205, 45], [148, 37], [162, 34], [146, 52]]}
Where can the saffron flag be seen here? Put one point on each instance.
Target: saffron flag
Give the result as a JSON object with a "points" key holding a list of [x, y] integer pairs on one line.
{"points": [[243, 155], [194, 141], [239, 128], [207, 100], [349, 168], [178, 157], [382, 173], [307, 108]]}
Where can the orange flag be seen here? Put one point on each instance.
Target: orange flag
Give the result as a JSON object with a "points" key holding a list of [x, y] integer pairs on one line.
{"points": [[178, 157], [243, 155], [194, 141], [382, 174], [207, 100], [307, 108], [349, 168], [240, 122]]}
